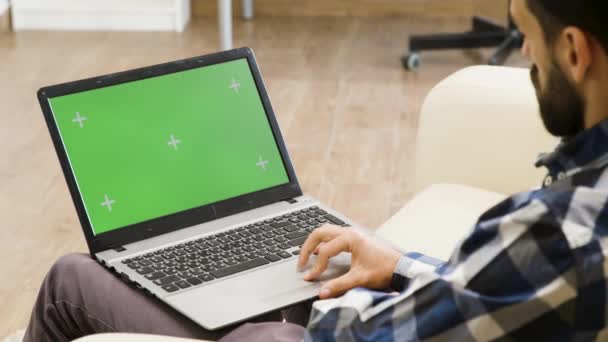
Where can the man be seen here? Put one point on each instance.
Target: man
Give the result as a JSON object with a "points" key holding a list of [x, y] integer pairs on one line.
{"points": [[532, 269]]}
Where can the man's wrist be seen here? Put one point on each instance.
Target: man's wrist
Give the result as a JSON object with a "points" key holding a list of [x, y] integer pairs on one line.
{"points": [[391, 266], [398, 279], [409, 266], [399, 282]]}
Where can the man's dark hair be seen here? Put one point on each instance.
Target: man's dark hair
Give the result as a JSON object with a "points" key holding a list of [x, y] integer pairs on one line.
{"points": [[590, 16]]}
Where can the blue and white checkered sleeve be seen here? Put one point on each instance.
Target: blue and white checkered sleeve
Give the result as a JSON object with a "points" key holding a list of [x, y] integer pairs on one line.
{"points": [[409, 266], [515, 266]]}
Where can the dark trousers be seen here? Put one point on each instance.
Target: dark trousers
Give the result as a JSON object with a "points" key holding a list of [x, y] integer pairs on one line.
{"points": [[80, 297]]}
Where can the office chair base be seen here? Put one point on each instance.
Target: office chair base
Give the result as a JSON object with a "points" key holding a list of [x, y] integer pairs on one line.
{"points": [[485, 33], [411, 61]]}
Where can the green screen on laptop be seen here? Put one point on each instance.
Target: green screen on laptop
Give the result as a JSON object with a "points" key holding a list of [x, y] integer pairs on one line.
{"points": [[154, 147]]}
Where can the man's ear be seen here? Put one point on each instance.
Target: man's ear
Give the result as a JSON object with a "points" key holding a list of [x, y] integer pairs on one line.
{"points": [[577, 52]]}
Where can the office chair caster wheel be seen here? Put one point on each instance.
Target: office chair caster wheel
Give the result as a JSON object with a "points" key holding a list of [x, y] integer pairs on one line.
{"points": [[411, 61]]}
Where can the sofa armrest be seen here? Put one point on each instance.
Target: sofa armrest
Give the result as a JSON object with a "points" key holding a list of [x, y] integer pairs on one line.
{"points": [[437, 219], [123, 337]]}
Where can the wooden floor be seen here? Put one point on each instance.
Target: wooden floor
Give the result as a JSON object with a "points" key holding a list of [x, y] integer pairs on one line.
{"points": [[346, 107]]}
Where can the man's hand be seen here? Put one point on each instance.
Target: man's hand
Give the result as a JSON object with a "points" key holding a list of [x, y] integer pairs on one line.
{"points": [[372, 264]]}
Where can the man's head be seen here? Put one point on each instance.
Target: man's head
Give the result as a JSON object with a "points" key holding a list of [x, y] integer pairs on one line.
{"points": [[567, 42]]}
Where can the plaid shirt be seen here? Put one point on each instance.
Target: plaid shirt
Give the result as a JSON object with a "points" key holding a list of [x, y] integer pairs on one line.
{"points": [[533, 268]]}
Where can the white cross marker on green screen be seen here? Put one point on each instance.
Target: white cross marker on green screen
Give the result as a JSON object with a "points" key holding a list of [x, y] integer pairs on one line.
{"points": [[262, 163], [108, 203], [80, 119], [235, 86], [173, 142]]}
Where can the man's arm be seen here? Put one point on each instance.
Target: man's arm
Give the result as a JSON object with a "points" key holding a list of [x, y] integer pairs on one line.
{"points": [[515, 268]]}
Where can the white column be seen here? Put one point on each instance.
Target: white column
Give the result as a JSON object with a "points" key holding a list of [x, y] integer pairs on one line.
{"points": [[225, 22], [248, 9]]}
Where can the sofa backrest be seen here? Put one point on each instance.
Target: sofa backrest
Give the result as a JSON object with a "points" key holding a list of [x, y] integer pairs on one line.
{"points": [[481, 127]]}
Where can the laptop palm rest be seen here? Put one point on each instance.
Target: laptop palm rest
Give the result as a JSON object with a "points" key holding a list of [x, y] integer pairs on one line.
{"points": [[245, 296]]}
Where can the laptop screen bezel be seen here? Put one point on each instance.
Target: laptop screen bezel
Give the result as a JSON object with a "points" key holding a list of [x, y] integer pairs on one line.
{"points": [[188, 218]]}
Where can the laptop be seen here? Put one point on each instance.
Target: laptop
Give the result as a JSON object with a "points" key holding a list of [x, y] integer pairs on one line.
{"points": [[184, 188]]}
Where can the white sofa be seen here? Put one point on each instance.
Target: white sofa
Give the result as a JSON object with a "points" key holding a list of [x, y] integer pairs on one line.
{"points": [[479, 135]]}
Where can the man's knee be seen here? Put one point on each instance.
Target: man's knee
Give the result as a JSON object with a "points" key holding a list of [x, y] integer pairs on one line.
{"points": [[70, 265], [67, 272]]}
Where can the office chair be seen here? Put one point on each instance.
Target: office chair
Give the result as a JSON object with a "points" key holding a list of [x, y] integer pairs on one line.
{"points": [[485, 33]]}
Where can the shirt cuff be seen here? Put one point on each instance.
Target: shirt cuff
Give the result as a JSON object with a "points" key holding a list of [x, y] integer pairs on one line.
{"points": [[409, 266]]}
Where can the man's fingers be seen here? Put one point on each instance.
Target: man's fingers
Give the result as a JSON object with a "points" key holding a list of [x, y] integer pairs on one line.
{"points": [[340, 285], [318, 235], [326, 252]]}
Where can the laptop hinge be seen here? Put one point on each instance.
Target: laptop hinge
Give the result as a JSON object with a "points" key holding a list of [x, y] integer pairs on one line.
{"points": [[291, 201]]}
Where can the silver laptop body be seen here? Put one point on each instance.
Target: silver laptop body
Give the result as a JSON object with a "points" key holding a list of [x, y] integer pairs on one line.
{"points": [[231, 299], [224, 261]]}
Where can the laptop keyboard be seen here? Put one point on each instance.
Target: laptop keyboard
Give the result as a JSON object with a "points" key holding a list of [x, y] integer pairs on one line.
{"points": [[220, 255]]}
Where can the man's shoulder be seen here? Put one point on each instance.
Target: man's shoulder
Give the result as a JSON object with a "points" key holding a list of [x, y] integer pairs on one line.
{"points": [[580, 211], [560, 207], [572, 198]]}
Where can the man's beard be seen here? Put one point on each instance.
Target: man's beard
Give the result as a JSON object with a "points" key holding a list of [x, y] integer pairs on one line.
{"points": [[561, 107]]}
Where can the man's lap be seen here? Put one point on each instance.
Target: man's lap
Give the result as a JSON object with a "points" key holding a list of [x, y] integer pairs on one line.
{"points": [[96, 300]]}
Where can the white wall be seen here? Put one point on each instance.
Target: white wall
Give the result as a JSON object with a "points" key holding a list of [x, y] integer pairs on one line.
{"points": [[123, 15]]}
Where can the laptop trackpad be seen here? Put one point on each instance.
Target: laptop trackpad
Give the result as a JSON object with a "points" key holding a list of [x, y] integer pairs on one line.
{"points": [[245, 296]]}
